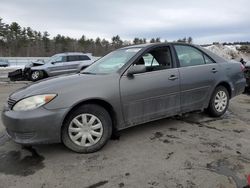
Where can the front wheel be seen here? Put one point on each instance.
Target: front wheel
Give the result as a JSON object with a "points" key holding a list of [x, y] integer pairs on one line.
{"points": [[87, 129], [36, 75], [219, 102]]}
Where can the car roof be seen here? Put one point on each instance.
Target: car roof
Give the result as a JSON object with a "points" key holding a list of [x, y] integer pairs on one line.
{"points": [[159, 44], [72, 53], [147, 45]]}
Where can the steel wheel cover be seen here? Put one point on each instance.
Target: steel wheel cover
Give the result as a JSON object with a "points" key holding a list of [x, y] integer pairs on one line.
{"points": [[220, 101], [35, 75], [85, 130]]}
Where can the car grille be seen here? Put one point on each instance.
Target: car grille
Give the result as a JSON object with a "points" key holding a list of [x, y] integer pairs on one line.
{"points": [[11, 103]]}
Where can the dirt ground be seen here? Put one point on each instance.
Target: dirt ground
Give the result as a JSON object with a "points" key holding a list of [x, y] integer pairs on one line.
{"points": [[186, 152]]}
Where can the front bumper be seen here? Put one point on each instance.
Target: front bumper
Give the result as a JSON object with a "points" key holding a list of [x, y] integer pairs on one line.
{"points": [[34, 127], [20, 74]]}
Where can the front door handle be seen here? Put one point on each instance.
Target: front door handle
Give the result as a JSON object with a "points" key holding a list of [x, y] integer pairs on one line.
{"points": [[214, 70], [172, 77]]}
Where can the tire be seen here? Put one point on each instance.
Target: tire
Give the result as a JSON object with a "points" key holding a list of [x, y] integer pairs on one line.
{"points": [[36, 75], [219, 102], [102, 125]]}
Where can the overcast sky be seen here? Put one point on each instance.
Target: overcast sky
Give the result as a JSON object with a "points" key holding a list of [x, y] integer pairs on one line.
{"points": [[205, 20]]}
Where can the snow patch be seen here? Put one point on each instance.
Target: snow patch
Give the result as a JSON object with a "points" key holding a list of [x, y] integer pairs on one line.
{"points": [[228, 52]]}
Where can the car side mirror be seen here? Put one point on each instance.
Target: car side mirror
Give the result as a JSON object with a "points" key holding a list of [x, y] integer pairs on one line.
{"points": [[136, 69], [55, 62]]}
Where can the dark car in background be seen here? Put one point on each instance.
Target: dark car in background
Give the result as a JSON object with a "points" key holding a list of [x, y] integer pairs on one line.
{"points": [[246, 65], [127, 87], [247, 74], [4, 63]]}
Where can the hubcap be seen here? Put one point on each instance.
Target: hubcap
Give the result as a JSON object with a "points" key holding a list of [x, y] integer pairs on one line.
{"points": [[220, 101], [35, 75], [85, 130]]}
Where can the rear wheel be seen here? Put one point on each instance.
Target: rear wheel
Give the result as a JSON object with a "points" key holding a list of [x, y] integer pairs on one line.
{"points": [[87, 129], [36, 75], [219, 102]]}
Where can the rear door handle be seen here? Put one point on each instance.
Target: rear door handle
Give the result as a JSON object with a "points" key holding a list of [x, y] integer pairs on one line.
{"points": [[172, 77], [214, 70]]}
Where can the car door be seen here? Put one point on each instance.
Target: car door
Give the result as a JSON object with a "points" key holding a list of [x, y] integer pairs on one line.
{"points": [[153, 94], [197, 77], [72, 63], [57, 66]]}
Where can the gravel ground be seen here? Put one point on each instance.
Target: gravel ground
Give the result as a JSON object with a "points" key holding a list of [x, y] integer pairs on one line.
{"points": [[186, 152]]}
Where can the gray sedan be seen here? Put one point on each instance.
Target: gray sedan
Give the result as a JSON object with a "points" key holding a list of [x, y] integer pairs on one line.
{"points": [[127, 87]]}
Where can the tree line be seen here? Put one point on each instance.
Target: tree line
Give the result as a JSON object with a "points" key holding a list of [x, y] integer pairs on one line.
{"points": [[24, 42]]}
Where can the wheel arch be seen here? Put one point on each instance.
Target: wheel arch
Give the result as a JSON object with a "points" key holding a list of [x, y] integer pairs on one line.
{"points": [[45, 74], [107, 106], [227, 86]]}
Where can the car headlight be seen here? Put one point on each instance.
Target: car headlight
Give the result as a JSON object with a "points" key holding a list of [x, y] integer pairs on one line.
{"points": [[33, 102]]}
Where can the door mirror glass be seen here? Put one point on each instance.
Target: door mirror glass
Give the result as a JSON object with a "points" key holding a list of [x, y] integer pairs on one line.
{"points": [[136, 69]]}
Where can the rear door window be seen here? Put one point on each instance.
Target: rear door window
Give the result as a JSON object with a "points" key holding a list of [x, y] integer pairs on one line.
{"points": [[73, 58], [189, 56]]}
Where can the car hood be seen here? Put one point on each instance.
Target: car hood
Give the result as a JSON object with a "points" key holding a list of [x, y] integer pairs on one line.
{"points": [[34, 64], [59, 85]]}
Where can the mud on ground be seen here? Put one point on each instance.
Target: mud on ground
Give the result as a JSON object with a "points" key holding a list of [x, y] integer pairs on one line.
{"points": [[190, 151]]}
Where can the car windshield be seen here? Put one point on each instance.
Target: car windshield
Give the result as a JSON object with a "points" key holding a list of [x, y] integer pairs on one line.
{"points": [[112, 62]]}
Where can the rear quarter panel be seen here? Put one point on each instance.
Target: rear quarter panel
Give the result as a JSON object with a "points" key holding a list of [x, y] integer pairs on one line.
{"points": [[231, 73]]}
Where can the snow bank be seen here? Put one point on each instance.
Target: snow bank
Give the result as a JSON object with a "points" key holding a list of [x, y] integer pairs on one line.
{"points": [[227, 51]]}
